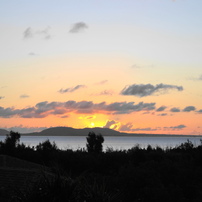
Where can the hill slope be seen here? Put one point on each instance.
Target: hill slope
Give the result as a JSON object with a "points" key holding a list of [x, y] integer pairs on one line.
{"points": [[67, 131]]}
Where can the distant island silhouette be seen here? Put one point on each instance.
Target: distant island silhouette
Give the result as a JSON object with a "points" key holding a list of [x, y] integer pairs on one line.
{"points": [[68, 131]]}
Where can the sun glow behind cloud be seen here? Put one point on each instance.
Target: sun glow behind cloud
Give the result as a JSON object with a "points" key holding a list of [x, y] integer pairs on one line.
{"points": [[132, 66]]}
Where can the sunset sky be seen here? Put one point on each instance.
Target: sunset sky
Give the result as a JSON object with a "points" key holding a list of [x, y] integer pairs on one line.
{"points": [[130, 65]]}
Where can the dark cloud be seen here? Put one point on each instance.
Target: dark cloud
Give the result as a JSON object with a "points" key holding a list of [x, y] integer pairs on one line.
{"points": [[199, 111], [78, 27], [162, 108], [125, 108], [8, 112], [30, 33], [44, 109], [178, 127], [189, 109], [24, 96], [70, 90], [144, 129], [142, 90], [175, 109]]}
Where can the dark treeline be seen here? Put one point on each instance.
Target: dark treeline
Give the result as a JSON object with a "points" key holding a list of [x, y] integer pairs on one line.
{"points": [[90, 175]]}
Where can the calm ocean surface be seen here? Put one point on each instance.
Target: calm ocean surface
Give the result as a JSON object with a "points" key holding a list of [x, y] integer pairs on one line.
{"points": [[117, 143]]}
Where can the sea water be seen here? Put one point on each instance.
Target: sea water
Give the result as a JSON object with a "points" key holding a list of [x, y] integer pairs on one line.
{"points": [[112, 142]]}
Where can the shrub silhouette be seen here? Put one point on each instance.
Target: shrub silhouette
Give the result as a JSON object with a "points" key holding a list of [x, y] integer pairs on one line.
{"points": [[46, 146], [94, 142]]}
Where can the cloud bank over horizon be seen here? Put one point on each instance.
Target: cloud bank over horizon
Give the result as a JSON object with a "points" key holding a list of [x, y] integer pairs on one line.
{"points": [[44, 109]]}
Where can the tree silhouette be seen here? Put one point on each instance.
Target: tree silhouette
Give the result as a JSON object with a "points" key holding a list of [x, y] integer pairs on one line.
{"points": [[94, 142], [11, 142]]}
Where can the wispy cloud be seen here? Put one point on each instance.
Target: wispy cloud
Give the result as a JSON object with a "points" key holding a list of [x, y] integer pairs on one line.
{"points": [[24, 96], [102, 82], [163, 114], [32, 54], [106, 92], [178, 127], [30, 33], [70, 90], [2, 97], [78, 27], [142, 90]]}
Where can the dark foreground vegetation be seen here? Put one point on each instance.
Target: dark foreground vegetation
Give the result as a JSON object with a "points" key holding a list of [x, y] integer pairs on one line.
{"points": [[90, 175]]}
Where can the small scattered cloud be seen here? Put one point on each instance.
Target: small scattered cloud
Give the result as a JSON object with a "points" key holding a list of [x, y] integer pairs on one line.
{"points": [[143, 90], [106, 92], [128, 127], [32, 54], [175, 109], [199, 111], [189, 109], [70, 90], [78, 27], [44, 33], [87, 117], [30, 33], [163, 114], [24, 96], [102, 82], [2, 97], [111, 124], [199, 78], [162, 108]]}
